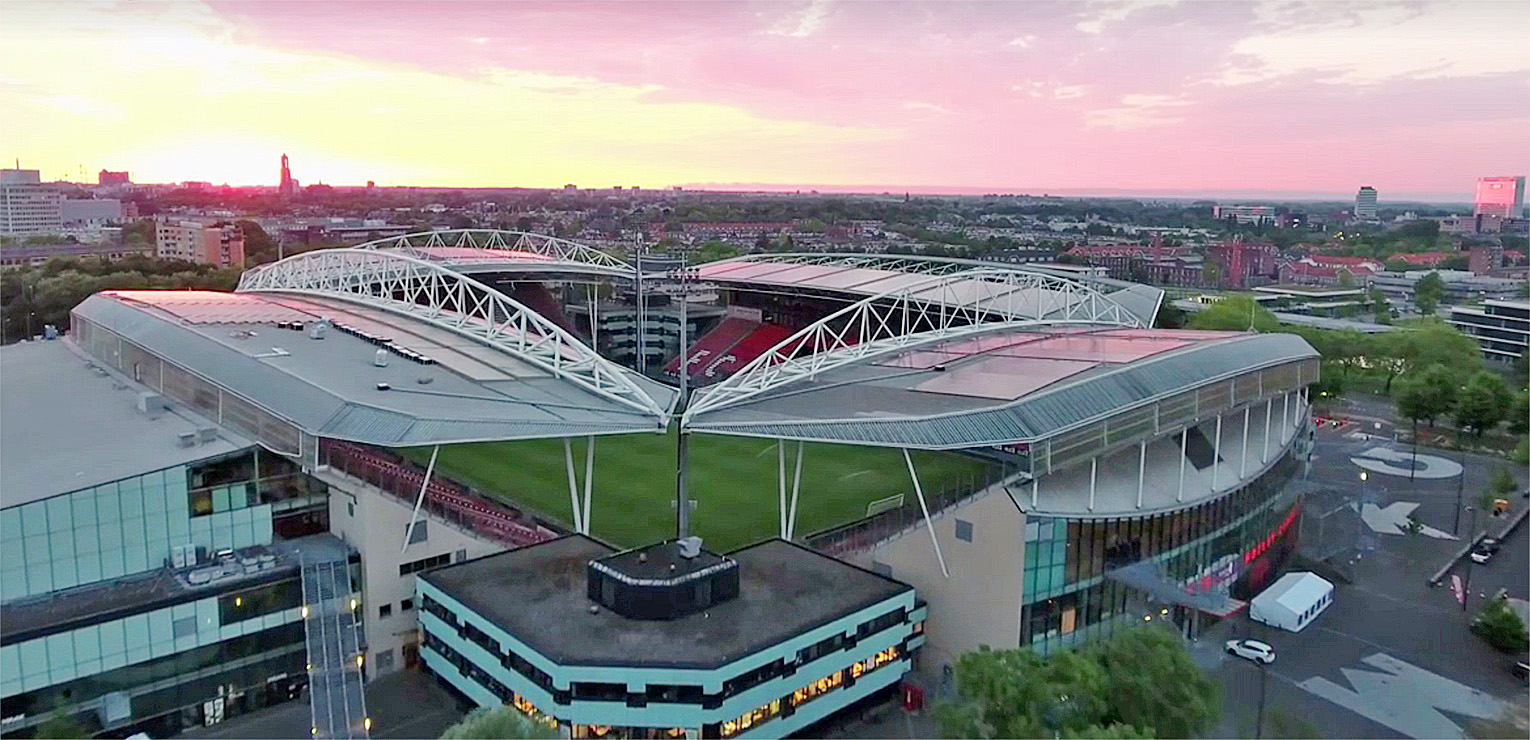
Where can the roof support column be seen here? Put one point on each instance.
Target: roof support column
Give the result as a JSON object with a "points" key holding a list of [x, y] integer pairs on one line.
{"points": [[1141, 471], [781, 480], [1269, 406], [1034, 486], [1243, 458], [791, 514], [589, 477], [1184, 441], [573, 485], [1216, 455], [918, 491], [419, 500], [1285, 415], [1094, 465]]}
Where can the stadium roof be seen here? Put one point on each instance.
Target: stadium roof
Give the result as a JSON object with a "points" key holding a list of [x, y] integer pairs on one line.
{"points": [[872, 274], [471, 251], [1006, 386], [70, 424], [465, 363]]}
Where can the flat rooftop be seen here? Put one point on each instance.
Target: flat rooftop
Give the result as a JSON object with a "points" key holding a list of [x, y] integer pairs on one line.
{"points": [[24, 618], [68, 427], [661, 560], [538, 594]]}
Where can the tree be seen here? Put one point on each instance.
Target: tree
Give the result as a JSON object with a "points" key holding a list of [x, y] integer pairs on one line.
{"points": [[1428, 292], [1140, 683], [1381, 306], [1235, 313], [503, 722], [1152, 683], [1428, 395], [258, 246], [1113, 732], [1503, 483], [1519, 414], [1482, 403], [1169, 316], [1498, 625], [60, 725]]}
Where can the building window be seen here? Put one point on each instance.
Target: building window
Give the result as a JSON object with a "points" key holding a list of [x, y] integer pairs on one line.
{"points": [[419, 534], [406, 605], [424, 564], [963, 530], [384, 611], [184, 627], [385, 660]]}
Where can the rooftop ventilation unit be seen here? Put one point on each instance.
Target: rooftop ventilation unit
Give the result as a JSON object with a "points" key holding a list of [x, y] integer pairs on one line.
{"points": [[381, 358], [317, 329], [187, 439], [151, 404], [690, 547], [206, 434]]}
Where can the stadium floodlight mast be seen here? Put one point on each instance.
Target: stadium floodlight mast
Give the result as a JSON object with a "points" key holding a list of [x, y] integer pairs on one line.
{"points": [[561, 250], [398, 283]]}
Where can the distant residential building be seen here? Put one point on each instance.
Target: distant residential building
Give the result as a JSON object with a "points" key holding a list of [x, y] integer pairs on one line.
{"points": [[109, 178], [741, 230], [27, 255], [1485, 260], [1420, 259], [1501, 327], [1245, 214], [93, 213], [1324, 269], [29, 207], [1503, 197], [1365, 204], [1244, 265], [220, 243], [1461, 286]]}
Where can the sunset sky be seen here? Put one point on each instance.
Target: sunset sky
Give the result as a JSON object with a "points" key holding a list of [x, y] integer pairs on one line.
{"points": [[1416, 99]]}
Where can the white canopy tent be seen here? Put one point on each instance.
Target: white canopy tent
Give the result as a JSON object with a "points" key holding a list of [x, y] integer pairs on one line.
{"points": [[1292, 602]]}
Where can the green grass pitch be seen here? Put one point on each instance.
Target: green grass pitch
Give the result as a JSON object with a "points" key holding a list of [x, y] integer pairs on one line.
{"points": [[733, 480]]}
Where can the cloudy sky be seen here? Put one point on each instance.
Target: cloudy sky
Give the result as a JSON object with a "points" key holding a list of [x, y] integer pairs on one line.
{"points": [[1416, 99]]}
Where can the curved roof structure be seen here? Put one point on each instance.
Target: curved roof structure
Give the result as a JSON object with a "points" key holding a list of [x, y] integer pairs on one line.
{"points": [[985, 378], [471, 251], [463, 362], [873, 274]]}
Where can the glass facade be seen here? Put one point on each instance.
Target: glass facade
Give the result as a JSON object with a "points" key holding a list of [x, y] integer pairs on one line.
{"points": [[1231, 545]]}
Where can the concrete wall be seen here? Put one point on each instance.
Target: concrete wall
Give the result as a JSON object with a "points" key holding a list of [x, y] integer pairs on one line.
{"points": [[374, 522], [979, 604]]}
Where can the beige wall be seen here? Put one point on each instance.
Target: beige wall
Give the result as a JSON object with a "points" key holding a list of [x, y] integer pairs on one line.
{"points": [[376, 530], [979, 604]]}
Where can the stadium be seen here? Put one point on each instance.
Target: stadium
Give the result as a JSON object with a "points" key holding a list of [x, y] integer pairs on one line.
{"points": [[977, 454]]}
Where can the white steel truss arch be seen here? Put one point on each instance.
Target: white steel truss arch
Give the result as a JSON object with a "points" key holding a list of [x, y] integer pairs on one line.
{"points": [[943, 306], [907, 263], [402, 284], [561, 250]]}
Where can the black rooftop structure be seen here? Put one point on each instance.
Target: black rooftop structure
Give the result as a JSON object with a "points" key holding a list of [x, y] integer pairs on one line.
{"points": [[666, 580]]}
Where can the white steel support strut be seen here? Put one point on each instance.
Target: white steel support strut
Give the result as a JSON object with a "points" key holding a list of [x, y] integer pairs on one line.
{"points": [[1243, 458], [1269, 406], [1184, 442], [1141, 471], [1094, 466], [791, 514], [573, 485], [919, 491], [425, 484], [589, 477], [781, 480]]}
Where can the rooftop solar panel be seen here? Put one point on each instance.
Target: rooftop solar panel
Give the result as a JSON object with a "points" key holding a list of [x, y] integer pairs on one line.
{"points": [[210, 307], [1002, 378], [1093, 348]]}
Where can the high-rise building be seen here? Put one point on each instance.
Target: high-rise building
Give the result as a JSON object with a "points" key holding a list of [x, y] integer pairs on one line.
{"points": [[1365, 204], [1503, 197], [29, 207], [107, 178], [220, 244], [289, 186]]}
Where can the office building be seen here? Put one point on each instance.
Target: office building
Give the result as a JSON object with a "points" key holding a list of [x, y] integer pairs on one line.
{"points": [[109, 178], [669, 640], [28, 206], [1461, 286], [1245, 214], [1365, 204], [91, 213], [220, 243], [1500, 326], [1500, 197]]}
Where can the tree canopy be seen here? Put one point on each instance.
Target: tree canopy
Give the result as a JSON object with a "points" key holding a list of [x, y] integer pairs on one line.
{"points": [[1427, 293], [1235, 313], [1139, 683], [1428, 395], [503, 722], [1482, 403]]}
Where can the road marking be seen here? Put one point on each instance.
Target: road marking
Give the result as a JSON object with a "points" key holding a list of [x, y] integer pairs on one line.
{"points": [[1432, 467], [1406, 698], [1394, 519]]}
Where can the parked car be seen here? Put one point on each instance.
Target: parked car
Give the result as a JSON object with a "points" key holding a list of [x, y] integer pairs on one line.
{"points": [[1485, 550], [1252, 650]]}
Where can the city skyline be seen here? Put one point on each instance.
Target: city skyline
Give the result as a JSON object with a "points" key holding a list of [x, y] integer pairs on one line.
{"points": [[1067, 98]]}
